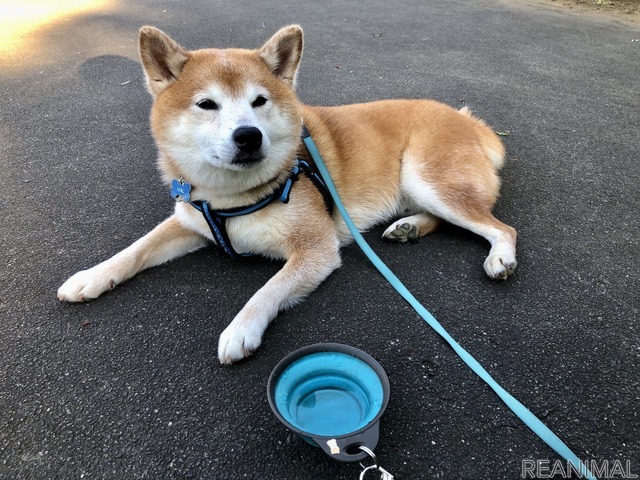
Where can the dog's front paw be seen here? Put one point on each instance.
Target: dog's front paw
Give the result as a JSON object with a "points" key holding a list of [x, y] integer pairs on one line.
{"points": [[239, 340], [86, 285], [500, 266]]}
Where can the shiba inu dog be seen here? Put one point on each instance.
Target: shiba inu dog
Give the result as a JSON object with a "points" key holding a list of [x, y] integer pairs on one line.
{"points": [[227, 124]]}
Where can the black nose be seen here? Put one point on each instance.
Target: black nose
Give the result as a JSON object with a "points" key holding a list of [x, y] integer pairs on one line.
{"points": [[248, 139]]}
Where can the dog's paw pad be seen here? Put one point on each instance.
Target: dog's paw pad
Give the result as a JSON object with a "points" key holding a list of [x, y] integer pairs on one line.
{"points": [[401, 232]]}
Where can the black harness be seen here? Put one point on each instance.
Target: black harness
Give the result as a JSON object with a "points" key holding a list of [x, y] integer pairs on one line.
{"points": [[217, 219]]}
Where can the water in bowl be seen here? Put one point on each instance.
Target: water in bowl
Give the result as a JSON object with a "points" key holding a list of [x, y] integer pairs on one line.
{"points": [[329, 394]]}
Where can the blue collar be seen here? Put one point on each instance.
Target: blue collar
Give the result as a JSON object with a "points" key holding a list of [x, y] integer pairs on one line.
{"points": [[216, 219]]}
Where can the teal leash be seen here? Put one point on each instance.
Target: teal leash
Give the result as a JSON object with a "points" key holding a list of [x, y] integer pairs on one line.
{"points": [[533, 422]]}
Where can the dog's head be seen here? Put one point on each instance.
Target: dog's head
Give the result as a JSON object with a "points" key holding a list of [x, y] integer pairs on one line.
{"points": [[227, 118]]}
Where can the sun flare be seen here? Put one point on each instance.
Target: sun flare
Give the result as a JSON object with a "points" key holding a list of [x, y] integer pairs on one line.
{"points": [[21, 19]]}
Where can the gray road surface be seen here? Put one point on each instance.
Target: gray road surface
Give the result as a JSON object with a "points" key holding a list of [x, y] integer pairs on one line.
{"points": [[129, 387]]}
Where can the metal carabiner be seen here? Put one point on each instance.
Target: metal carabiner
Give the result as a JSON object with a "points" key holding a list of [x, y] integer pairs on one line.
{"points": [[376, 465], [364, 472]]}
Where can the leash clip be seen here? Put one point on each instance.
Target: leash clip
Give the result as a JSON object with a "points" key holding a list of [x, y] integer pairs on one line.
{"points": [[384, 475]]}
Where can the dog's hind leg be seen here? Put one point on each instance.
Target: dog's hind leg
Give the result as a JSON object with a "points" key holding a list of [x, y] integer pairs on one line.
{"points": [[466, 202], [411, 228]]}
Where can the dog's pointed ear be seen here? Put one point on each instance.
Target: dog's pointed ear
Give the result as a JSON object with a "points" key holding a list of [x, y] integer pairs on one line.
{"points": [[282, 53], [162, 59]]}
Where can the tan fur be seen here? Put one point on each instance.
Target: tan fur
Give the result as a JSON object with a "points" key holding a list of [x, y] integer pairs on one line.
{"points": [[414, 158]]}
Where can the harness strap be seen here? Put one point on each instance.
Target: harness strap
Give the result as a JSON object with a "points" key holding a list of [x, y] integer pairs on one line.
{"points": [[218, 228], [217, 219]]}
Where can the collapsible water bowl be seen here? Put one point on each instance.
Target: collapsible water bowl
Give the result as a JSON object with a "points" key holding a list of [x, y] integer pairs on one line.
{"points": [[331, 395]]}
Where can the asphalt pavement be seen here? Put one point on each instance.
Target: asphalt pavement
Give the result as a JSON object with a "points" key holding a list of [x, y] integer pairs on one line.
{"points": [[129, 386]]}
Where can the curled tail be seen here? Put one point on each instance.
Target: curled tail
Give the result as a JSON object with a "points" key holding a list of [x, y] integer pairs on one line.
{"points": [[489, 141]]}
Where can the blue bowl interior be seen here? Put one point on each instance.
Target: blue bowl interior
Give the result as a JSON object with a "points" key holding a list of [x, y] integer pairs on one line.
{"points": [[329, 394]]}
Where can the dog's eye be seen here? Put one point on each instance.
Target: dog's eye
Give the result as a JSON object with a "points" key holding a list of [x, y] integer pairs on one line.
{"points": [[207, 104], [258, 102]]}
